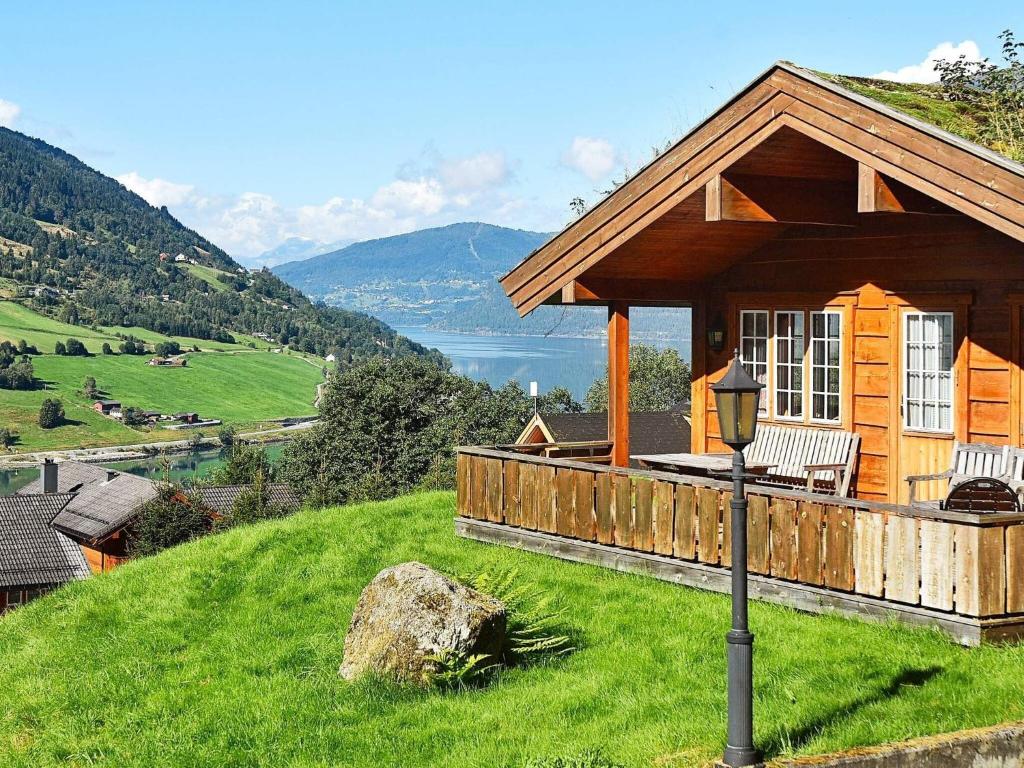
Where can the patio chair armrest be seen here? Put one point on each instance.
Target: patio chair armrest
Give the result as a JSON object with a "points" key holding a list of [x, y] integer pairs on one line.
{"points": [[935, 476], [821, 467]]}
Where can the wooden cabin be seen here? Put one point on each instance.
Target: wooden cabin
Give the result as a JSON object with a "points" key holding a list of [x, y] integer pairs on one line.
{"points": [[869, 267]]}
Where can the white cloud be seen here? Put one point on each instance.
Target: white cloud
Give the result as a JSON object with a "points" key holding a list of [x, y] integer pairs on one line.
{"points": [[423, 195], [9, 112], [157, 191], [925, 71], [469, 174], [594, 158]]}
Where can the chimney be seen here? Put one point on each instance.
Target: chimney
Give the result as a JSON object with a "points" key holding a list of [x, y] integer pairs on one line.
{"points": [[49, 475], [111, 474]]}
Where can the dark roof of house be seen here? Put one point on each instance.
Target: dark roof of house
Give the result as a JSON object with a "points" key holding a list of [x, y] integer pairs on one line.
{"points": [[31, 552], [101, 505], [221, 498], [649, 431], [109, 402]]}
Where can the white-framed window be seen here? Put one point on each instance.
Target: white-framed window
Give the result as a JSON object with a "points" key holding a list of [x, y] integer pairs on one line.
{"points": [[754, 348], [826, 365], [789, 365], [928, 371]]}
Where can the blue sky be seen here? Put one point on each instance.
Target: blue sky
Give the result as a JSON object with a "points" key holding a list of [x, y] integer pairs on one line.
{"points": [[258, 121]]}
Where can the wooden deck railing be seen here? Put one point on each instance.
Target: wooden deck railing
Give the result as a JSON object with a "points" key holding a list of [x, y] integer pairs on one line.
{"points": [[969, 565]]}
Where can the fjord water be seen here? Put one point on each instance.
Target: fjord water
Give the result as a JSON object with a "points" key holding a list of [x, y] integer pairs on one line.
{"points": [[551, 361]]}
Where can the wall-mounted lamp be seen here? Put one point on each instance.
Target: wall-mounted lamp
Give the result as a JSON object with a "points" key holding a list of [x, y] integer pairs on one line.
{"points": [[716, 334]]}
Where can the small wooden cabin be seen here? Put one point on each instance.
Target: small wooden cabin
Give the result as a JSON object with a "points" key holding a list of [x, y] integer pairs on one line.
{"points": [[868, 265]]}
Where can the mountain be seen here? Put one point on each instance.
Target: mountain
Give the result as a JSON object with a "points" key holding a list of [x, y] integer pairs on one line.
{"points": [[447, 278], [83, 249], [296, 248]]}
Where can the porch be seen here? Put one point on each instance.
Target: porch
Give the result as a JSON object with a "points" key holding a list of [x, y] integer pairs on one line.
{"points": [[960, 572]]}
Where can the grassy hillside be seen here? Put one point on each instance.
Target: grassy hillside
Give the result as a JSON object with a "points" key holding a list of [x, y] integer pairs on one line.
{"points": [[231, 382], [196, 657]]}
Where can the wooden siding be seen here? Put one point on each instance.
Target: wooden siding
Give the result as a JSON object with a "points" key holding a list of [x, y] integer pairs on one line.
{"points": [[957, 563]]}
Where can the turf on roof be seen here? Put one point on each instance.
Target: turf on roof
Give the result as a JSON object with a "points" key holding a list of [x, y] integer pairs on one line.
{"points": [[928, 103]]}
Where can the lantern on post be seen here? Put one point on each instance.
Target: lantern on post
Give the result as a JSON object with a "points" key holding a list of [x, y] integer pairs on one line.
{"points": [[737, 396]]}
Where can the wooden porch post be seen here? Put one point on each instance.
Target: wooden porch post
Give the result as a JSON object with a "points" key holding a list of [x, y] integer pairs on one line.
{"points": [[618, 382]]}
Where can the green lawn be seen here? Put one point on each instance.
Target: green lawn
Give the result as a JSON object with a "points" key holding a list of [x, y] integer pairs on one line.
{"points": [[208, 275], [225, 652], [241, 388]]}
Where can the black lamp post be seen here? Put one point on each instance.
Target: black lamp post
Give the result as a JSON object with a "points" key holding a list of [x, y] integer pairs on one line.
{"points": [[736, 397]]}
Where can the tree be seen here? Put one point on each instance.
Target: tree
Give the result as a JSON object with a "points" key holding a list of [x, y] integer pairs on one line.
{"points": [[245, 464], [388, 426], [132, 346], [252, 505], [173, 517], [132, 417], [559, 400], [106, 349], [51, 413], [7, 437], [659, 380], [89, 388], [75, 348], [167, 348], [228, 436], [59, 348]]}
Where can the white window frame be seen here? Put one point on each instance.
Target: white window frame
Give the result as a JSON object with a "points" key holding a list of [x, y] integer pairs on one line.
{"points": [[905, 371], [774, 343], [813, 363], [764, 407]]}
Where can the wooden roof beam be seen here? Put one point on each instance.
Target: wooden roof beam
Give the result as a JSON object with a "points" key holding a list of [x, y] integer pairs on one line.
{"points": [[781, 200], [877, 193]]}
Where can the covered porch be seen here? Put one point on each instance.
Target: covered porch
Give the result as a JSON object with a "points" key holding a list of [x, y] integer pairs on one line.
{"points": [[869, 268]]}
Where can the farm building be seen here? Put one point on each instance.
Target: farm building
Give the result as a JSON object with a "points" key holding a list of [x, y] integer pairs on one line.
{"points": [[868, 266], [34, 558], [106, 406]]}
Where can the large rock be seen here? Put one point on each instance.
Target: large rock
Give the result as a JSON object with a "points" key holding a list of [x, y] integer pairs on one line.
{"points": [[409, 612]]}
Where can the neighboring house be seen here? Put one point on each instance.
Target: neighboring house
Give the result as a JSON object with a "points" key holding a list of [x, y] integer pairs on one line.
{"points": [[649, 432], [220, 499], [103, 503], [330, 358], [35, 558], [187, 418], [181, 258], [106, 406], [173, 362]]}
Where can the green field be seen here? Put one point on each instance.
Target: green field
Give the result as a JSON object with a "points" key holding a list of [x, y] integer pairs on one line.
{"points": [[230, 382], [199, 657], [208, 275]]}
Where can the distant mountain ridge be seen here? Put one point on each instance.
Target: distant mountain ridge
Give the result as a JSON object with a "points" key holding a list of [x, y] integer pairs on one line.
{"points": [[298, 248], [446, 278]]}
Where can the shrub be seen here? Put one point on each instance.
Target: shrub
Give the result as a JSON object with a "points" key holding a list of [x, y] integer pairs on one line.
{"points": [[132, 417], [89, 388], [173, 517], [75, 348], [59, 348], [7, 437], [51, 413], [106, 349]]}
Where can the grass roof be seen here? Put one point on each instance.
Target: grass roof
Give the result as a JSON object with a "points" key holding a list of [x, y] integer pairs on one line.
{"points": [[929, 104]]}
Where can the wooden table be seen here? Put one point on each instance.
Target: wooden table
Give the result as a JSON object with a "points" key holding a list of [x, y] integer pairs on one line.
{"points": [[702, 464]]}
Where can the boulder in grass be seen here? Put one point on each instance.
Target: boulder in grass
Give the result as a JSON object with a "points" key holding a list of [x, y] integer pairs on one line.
{"points": [[410, 613]]}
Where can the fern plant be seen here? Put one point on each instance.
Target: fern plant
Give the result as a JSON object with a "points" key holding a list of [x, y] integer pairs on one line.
{"points": [[452, 669]]}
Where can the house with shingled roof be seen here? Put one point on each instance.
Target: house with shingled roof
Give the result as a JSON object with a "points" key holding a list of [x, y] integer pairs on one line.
{"points": [[34, 557]]}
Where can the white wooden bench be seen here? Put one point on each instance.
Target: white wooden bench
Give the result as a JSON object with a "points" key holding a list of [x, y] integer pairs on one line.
{"points": [[821, 460], [970, 460]]}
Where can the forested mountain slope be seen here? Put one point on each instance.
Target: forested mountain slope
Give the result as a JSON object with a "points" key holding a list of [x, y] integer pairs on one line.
{"points": [[87, 251]]}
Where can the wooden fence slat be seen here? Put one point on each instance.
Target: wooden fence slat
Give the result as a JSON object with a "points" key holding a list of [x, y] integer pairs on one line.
{"points": [[869, 553], [565, 511], [584, 504], [478, 489], [726, 501], [643, 515], [623, 505], [783, 539], [936, 565], [902, 560], [684, 540], [494, 494], [1015, 569], [708, 519], [528, 492], [604, 509], [839, 548], [462, 487], [992, 600], [809, 543], [758, 557], [965, 568], [513, 495], [664, 517], [546, 499]]}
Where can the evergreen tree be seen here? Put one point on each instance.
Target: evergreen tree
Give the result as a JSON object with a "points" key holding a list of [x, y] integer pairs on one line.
{"points": [[51, 413]]}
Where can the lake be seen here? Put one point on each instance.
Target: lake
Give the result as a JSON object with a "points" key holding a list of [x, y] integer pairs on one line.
{"points": [[551, 361], [178, 467]]}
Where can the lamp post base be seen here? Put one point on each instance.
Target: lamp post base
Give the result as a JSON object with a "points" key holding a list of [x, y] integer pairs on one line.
{"points": [[741, 758]]}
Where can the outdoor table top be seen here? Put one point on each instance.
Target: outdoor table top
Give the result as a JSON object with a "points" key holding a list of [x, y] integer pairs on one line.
{"points": [[707, 462]]}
